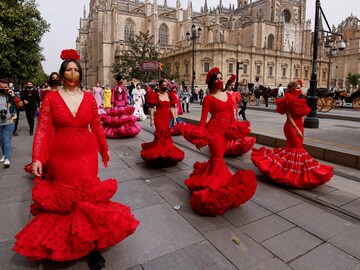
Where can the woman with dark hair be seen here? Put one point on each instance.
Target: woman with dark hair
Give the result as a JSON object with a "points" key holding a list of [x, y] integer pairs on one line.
{"points": [[119, 121], [215, 188], [74, 215], [161, 151], [54, 82], [291, 165], [242, 145]]}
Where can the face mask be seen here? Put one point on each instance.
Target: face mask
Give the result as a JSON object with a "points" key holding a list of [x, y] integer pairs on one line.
{"points": [[233, 88], [11, 85], [29, 87], [72, 78], [219, 84], [164, 89], [2, 91], [54, 82]]}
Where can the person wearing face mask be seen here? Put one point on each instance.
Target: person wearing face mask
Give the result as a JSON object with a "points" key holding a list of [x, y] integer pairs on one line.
{"points": [[31, 99], [185, 98], [53, 82], [161, 152], [214, 188], [17, 93], [73, 214], [8, 103], [98, 93], [243, 145], [119, 121]]}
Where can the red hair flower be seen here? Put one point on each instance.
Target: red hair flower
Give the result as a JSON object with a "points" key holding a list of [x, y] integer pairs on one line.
{"points": [[210, 73], [69, 54], [232, 78], [301, 83]]}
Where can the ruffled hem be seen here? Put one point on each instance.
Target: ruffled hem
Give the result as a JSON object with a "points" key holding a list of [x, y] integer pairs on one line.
{"points": [[122, 132], [240, 147], [176, 130], [196, 135], [157, 154], [73, 218], [116, 121], [291, 167], [237, 130], [239, 189], [117, 111]]}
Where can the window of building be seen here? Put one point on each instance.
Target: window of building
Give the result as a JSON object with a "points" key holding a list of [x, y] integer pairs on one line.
{"points": [[206, 67], [306, 73], [284, 72], [177, 69], [270, 42], [258, 69], [287, 16], [324, 75], [245, 69], [129, 30], [270, 71], [186, 68], [231, 68], [296, 73], [163, 35]]}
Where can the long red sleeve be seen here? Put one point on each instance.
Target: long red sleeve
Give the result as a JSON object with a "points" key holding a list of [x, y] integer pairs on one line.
{"points": [[205, 110], [98, 131], [44, 133]]}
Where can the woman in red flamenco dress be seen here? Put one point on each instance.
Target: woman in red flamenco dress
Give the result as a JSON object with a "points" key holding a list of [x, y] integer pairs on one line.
{"points": [[214, 188], [161, 151], [243, 145], [291, 165], [73, 213], [176, 129]]}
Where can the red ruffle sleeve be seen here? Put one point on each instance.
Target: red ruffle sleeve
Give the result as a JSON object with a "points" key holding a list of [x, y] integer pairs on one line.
{"points": [[153, 98], [196, 135], [98, 131], [281, 105], [173, 99]]}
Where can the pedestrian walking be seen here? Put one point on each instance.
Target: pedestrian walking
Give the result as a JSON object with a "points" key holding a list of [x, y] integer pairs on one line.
{"points": [[201, 96], [185, 99], [73, 214], [257, 94], [107, 97], [8, 103], [31, 99], [98, 93], [214, 188], [280, 91], [244, 101], [139, 101], [291, 165], [17, 93]]}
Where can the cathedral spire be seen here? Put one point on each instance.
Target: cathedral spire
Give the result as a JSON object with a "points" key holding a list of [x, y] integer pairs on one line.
{"points": [[155, 6], [206, 10], [178, 4], [165, 4], [84, 15], [189, 9]]}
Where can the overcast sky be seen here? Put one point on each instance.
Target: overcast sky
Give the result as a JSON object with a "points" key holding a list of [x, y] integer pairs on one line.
{"points": [[64, 17]]}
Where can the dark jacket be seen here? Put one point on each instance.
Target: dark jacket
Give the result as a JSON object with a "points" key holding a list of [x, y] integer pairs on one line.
{"points": [[31, 96]]}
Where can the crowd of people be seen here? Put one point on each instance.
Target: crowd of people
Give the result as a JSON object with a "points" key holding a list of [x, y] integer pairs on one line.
{"points": [[74, 215]]}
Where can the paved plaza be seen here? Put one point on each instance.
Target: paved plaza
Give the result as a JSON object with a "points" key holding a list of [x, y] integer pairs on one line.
{"points": [[277, 229]]}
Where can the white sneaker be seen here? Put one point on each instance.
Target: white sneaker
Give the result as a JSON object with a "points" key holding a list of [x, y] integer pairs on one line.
{"points": [[2, 159], [7, 163]]}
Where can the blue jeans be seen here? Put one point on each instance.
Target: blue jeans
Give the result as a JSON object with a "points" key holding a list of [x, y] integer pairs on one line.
{"points": [[6, 132]]}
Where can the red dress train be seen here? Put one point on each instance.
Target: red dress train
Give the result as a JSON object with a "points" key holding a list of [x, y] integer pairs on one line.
{"points": [[292, 165], [242, 145], [215, 188], [161, 151], [72, 207]]}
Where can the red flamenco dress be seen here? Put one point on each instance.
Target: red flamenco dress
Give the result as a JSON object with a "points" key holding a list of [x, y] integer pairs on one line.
{"points": [[291, 165], [119, 121], [243, 145], [161, 151], [214, 188], [73, 213], [176, 129]]}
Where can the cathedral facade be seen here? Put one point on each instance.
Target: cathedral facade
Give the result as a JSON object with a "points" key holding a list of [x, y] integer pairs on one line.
{"points": [[271, 38]]}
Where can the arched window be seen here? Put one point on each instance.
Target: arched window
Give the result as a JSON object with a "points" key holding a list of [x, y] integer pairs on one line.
{"points": [[129, 30], [271, 42], [163, 35], [287, 16]]}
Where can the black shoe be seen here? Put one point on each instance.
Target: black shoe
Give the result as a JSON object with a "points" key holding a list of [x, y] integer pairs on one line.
{"points": [[15, 134], [95, 260], [188, 112], [31, 133]]}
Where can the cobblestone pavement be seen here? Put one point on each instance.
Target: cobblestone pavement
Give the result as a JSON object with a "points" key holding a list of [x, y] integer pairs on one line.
{"points": [[277, 229]]}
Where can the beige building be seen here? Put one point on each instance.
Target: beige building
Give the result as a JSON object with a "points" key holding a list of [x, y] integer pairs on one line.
{"points": [[272, 38]]}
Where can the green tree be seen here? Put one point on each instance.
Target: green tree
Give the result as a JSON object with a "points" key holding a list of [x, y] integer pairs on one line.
{"points": [[140, 48], [353, 78], [21, 30]]}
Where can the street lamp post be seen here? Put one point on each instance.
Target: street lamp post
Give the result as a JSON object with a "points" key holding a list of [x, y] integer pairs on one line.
{"points": [[238, 66], [85, 61], [312, 121], [195, 34]]}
